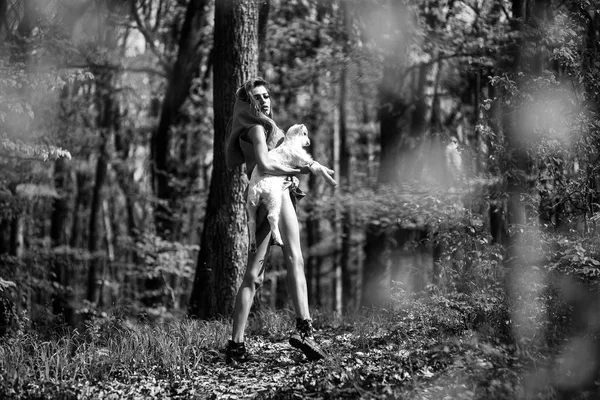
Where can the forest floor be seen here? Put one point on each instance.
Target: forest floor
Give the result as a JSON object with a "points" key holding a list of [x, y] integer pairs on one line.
{"points": [[422, 348]]}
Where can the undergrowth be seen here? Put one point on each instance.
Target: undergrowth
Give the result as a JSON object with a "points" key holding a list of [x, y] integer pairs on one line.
{"points": [[429, 345]]}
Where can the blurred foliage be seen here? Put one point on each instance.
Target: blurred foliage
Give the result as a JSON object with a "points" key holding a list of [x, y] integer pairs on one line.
{"points": [[462, 337]]}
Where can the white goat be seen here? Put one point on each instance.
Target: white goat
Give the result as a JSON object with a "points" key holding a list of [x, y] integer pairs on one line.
{"points": [[268, 189]]}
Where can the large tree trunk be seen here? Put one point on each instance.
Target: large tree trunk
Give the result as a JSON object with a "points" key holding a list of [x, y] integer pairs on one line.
{"points": [[165, 163], [223, 250]]}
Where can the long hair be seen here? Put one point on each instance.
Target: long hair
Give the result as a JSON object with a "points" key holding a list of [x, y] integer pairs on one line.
{"points": [[244, 93]]}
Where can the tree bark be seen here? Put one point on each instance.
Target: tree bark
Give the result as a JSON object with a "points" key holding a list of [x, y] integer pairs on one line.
{"points": [[263, 19], [223, 248]]}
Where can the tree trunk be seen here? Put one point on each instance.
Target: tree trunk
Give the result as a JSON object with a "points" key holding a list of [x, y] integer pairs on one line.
{"points": [[414, 150], [313, 262], [344, 222], [125, 178], [405, 114], [17, 240], [5, 234], [263, 19], [3, 11], [224, 245], [59, 237], [520, 239], [106, 114], [336, 283], [376, 270], [185, 70], [314, 236], [171, 158], [82, 200], [392, 109]]}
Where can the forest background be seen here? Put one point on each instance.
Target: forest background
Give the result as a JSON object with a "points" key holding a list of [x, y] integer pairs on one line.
{"points": [[465, 135]]}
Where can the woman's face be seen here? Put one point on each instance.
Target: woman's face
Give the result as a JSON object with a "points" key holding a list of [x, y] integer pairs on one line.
{"points": [[262, 97]]}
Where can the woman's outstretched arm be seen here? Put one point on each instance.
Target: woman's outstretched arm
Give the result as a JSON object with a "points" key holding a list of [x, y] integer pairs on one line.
{"points": [[267, 166]]}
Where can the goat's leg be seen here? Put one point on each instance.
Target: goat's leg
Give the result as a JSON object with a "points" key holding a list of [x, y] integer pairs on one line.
{"points": [[273, 217], [251, 208]]}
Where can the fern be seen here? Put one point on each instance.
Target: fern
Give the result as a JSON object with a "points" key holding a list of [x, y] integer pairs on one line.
{"points": [[26, 151], [6, 284]]}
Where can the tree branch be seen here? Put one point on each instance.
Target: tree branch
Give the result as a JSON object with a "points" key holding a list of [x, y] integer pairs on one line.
{"points": [[440, 58], [158, 15], [110, 67], [148, 36], [505, 11]]}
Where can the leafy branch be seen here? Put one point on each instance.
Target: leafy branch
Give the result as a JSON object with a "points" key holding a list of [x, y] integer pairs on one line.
{"points": [[31, 152]]}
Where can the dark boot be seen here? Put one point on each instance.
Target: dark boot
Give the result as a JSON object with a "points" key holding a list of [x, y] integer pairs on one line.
{"points": [[304, 340], [236, 353]]}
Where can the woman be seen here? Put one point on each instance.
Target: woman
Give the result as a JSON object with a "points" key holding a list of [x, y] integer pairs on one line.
{"points": [[253, 133]]}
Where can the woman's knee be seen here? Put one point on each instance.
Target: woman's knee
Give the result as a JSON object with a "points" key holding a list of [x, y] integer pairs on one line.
{"points": [[295, 262], [255, 280]]}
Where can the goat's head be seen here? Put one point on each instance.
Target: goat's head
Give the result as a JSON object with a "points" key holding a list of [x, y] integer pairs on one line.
{"points": [[299, 134]]}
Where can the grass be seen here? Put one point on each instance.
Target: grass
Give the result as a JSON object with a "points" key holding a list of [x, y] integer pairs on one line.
{"points": [[421, 347], [108, 348]]}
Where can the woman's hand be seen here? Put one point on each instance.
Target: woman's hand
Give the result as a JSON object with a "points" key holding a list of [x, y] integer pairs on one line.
{"points": [[323, 171]]}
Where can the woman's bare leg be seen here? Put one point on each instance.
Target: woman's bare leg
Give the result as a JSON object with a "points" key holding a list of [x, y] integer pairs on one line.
{"points": [[253, 278], [292, 253], [302, 338]]}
